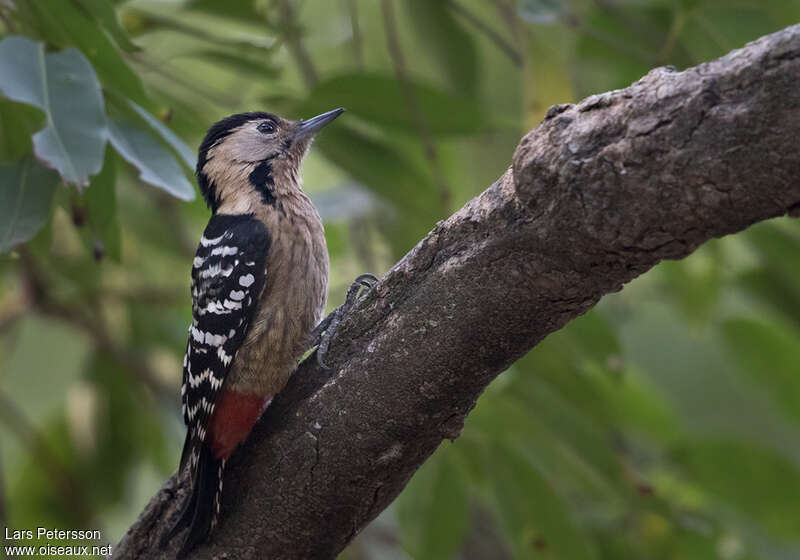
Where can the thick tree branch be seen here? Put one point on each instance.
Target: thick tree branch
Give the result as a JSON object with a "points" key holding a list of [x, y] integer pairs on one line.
{"points": [[599, 193]]}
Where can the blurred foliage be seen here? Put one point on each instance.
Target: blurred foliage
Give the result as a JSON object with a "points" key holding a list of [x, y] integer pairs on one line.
{"points": [[662, 425]]}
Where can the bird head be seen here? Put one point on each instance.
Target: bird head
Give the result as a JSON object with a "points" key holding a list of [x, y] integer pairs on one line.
{"points": [[251, 158]]}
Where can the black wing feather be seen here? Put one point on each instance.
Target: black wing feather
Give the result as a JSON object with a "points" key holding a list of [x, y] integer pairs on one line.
{"points": [[227, 278]]}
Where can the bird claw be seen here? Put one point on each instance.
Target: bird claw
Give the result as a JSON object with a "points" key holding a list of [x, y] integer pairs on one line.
{"points": [[323, 333]]}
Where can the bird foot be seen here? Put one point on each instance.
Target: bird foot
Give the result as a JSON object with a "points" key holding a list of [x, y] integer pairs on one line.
{"points": [[323, 333]]}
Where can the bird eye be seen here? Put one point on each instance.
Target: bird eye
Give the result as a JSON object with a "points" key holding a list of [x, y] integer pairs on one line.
{"points": [[266, 127]]}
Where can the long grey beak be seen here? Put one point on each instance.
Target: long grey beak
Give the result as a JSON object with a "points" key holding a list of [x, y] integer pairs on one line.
{"points": [[312, 125]]}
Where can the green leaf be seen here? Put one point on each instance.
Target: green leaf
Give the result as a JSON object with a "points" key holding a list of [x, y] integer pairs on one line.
{"points": [[210, 29], [636, 406], [767, 352], [385, 171], [374, 162], [18, 123], [127, 411], [380, 99], [575, 440], [155, 163], [65, 87], [593, 336], [255, 68], [541, 11], [433, 509], [778, 247], [436, 27], [27, 368], [617, 47], [760, 483], [26, 194], [572, 451], [696, 283], [184, 151], [775, 281], [64, 24], [548, 79], [244, 11], [533, 514], [103, 12], [718, 26], [702, 381]]}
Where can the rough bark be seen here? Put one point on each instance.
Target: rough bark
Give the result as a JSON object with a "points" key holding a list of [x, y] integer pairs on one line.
{"points": [[597, 194]]}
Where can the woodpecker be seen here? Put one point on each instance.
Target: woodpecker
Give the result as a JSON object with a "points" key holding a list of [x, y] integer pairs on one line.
{"points": [[259, 286]]}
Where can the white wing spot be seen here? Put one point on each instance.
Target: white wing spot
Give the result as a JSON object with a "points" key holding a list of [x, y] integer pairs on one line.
{"points": [[216, 307], [230, 305], [197, 334], [247, 280], [214, 270], [224, 251], [237, 295], [205, 241], [223, 357], [215, 339]]}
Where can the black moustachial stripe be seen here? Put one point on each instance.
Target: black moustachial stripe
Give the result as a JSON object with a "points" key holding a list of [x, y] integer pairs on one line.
{"points": [[262, 180]]}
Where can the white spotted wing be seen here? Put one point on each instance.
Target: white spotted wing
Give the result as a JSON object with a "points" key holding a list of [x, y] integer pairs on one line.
{"points": [[228, 275]]}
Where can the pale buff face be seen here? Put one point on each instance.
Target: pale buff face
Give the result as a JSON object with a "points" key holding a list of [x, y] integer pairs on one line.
{"points": [[257, 140], [231, 161]]}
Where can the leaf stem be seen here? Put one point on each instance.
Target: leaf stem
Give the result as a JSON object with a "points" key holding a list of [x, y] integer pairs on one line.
{"points": [[357, 39], [428, 144], [493, 36], [292, 35]]}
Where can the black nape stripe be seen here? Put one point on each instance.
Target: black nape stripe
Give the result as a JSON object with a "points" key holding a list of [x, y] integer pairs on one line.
{"points": [[209, 190], [262, 180]]}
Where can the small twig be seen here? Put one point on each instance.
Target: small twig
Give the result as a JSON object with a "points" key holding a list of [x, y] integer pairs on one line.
{"points": [[716, 37], [171, 74], [491, 34], [358, 41], [642, 28], [509, 14], [575, 22], [294, 41], [428, 144], [678, 21], [7, 21]]}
